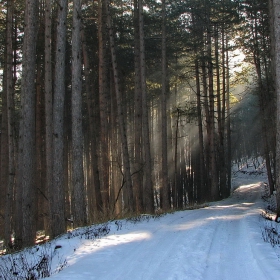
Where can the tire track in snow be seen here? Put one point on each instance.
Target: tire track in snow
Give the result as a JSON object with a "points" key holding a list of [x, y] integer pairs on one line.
{"points": [[219, 242]]}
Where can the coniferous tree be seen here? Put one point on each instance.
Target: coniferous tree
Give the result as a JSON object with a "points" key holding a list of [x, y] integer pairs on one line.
{"points": [[276, 35], [164, 175], [27, 130], [128, 190], [138, 164], [7, 132], [148, 184], [57, 191], [48, 80], [79, 205]]}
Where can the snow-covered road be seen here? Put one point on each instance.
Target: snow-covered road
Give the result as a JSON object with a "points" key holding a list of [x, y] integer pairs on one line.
{"points": [[222, 241]]}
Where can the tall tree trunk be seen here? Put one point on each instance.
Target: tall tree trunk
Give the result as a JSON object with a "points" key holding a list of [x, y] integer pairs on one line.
{"points": [[94, 195], [201, 187], [117, 179], [27, 136], [127, 175], [103, 104], [9, 97], [176, 139], [4, 156], [148, 185], [263, 105], [138, 161], [48, 109], [276, 9], [263, 96], [39, 142], [211, 135], [228, 122], [206, 109], [57, 191], [164, 163], [79, 205]]}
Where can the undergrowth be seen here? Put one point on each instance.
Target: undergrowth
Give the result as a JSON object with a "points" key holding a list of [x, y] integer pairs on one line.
{"points": [[270, 230], [37, 262], [30, 264], [44, 260], [270, 233]]}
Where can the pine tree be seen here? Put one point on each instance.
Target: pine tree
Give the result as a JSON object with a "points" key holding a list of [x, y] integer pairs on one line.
{"points": [[276, 25], [57, 191], [27, 130], [79, 205]]}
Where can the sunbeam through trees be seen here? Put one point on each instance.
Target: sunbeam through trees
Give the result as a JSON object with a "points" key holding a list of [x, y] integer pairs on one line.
{"points": [[115, 108]]}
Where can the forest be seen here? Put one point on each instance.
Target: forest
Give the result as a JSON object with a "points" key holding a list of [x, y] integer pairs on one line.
{"points": [[111, 109]]}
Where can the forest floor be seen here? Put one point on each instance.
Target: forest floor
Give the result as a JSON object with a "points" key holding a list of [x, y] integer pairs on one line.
{"points": [[229, 239]]}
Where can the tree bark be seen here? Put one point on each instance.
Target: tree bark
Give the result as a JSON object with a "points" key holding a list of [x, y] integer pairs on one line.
{"points": [[79, 205], [103, 105], [48, 109], [201, 187], [27, 137], [228, 122], [148, 185], [164, 167], [276, 10], [57, 191], [8, 123], [211, 135], [94, 193], [138, 161]]}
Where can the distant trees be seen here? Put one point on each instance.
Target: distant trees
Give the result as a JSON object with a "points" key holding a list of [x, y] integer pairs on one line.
{"points": [[256, 41], [130, 113]]}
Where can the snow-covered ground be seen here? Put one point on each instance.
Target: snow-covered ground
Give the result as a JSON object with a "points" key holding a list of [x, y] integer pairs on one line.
{"points": [[222, 241]]}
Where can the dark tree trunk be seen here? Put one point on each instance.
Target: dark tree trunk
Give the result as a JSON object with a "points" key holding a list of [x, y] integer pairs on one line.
{"points": [[57, 191]]}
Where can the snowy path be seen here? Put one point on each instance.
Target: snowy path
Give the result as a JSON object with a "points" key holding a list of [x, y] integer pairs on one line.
{"points": [[221, 242]]}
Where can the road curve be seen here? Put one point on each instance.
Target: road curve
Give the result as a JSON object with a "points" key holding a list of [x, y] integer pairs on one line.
{"points": [[221, 242]]}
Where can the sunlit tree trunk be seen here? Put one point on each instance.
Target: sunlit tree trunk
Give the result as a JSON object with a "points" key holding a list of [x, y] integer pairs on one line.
{"points": [[211, 135], [206, 110], [228, 115], [164, 167], [79, 205], [57, 191], [128, 191], [220, 115], [201, 187], [176, 139]]}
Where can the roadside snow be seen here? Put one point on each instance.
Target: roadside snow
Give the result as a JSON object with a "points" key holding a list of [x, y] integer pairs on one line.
{"points": [[222, 241]]}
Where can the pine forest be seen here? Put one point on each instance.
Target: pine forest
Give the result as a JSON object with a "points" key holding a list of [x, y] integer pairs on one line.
{"points": [[111, 109]]}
